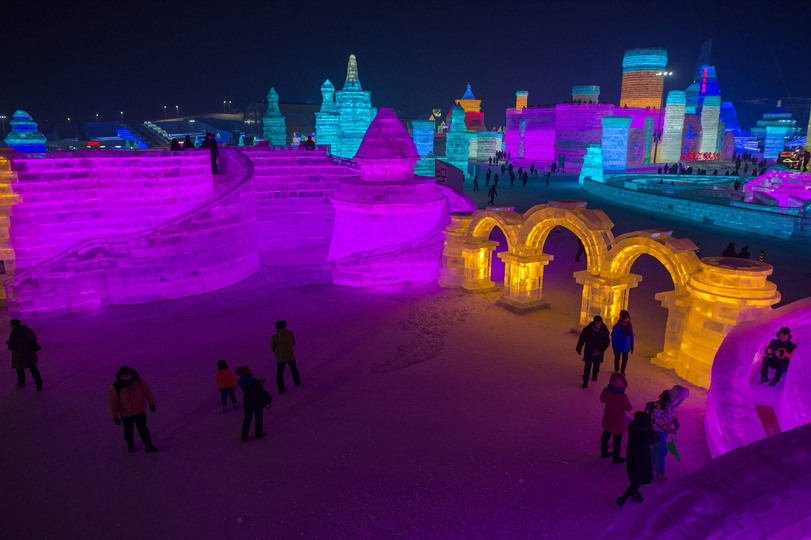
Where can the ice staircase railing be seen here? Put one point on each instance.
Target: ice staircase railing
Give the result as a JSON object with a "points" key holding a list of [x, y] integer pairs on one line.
{"points": [[233, 156]]}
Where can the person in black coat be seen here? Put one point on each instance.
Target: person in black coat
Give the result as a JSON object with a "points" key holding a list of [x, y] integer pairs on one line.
{"points": [[595, 339], [638, 458], [188, 144], [22, 342], [254, 399]]}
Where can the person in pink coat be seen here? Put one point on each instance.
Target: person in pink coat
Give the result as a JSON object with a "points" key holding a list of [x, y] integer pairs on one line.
{"points": [[128, 397], [614, 421]]}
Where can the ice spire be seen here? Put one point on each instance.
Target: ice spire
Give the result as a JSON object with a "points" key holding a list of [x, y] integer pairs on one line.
{"points": [[352, 80]]}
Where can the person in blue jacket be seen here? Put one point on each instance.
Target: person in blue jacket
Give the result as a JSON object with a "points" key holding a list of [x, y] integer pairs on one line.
{"points": [[622, 340]]}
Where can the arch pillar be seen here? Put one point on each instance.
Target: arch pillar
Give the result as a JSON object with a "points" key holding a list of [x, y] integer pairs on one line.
{"points": [[523, 281], [724, 293], [677, 307], [604, 296], [452, 264], [477, 259]]}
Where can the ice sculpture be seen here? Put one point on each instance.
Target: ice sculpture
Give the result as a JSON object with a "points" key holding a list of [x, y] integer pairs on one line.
{"points": [[521, 100], [24, 136], [343, 122], [592, 164], [383, 215], [775, 141], [710, 113], [274, 126], [641, 87], [615, 142], [422, 132], [777, 117], [670, 146], [586, 94], [457, 146], [469, 102]]}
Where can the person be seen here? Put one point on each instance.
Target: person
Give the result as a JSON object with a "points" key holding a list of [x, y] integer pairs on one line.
{"points": [[309, 144], [282, 344], [188, 144], [487, 177], [175, 146], [23, 344], [595, 339], [227, 385], [128, 398], [665, 421], [548, 176], [581, 249], [475, 183], [512, 178], [778, 356], [729, 251], [554, 167], [495, 180], [211, 143], [622, 340], [614, 421], [492, 193], [254, 399], [524, 178], [638, 457], [744, 253]]}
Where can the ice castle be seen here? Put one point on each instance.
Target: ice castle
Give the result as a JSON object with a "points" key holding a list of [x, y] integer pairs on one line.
{"points": [[24, 136], [274, 126], [345, 115]]}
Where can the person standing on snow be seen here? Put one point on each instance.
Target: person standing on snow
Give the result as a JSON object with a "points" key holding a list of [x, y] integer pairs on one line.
{"points": [[22, 342], [622, 340], [665, 423], [595, 339], [128, 397], [282, 343], [638, 457], [614, 420], [254, 399]]}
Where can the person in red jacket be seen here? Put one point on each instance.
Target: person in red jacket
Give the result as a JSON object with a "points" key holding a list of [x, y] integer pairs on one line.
{"points": [[614, 421], [128, 397], [227, 384]]}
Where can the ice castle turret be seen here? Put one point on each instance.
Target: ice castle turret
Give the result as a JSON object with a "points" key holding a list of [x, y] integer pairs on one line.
{"points": [[343, 122], [24, 136], [273, 124], [457, 140]]}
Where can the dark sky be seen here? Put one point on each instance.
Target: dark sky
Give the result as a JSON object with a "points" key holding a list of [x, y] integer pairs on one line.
{"points": [[81, 58]]}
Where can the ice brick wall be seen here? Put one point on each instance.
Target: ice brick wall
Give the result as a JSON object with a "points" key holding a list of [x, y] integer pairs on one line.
{"points": [[293, 189], [787, 188], [67, 197]]}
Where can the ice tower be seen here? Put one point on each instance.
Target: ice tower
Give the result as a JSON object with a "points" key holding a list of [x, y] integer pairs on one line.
{"points": [[327, 129], [273, 124], [24, 136], [641, 87], [355, 112], [457, 140]]}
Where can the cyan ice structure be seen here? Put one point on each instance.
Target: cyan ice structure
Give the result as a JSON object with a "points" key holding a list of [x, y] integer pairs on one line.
{"points": [[24, 136], [670, 145], [615, 142], [457, 144], [592, 164], [274, 125]]}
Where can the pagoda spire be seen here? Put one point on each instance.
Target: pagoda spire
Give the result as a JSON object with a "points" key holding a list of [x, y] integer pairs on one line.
{"points": [[352, 80]]}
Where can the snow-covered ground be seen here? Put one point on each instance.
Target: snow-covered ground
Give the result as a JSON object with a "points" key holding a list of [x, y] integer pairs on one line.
{"points": [[423, 412]]}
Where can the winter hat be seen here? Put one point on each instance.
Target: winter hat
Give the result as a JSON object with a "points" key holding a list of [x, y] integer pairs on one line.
{"points": [[281, 324], [642, 419], [125, 370], [678, 393], [243, 370], [597, 318], [618, 379], [784, 330], [624, 314], [15, 323], [222, 364]]}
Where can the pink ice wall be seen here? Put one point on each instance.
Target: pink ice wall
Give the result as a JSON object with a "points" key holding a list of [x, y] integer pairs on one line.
{"points": [[786, 188]]}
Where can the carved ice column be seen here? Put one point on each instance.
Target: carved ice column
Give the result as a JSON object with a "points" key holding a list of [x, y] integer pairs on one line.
{"points": [[726, 292], [452, 269], [677, 308], [523, 280], [604, 296]]}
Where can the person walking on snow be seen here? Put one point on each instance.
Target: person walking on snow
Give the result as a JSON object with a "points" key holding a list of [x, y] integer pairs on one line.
{"points": [[227, 384], [22, 342], [638, 457], [622, 341], [282, 344], [665, 423], [614, 421], [595, 339], [492, 193], [475, 183], [128, 398], [254, 399]]}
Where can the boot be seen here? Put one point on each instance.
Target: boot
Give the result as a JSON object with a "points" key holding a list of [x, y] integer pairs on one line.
{"points": [[618, 460], [151, 448], [131, 446], [637, 498], [605, 454], [763, 380]]}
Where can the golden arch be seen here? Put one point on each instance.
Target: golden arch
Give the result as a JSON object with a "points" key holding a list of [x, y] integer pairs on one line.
{"points": [[710, 295]]}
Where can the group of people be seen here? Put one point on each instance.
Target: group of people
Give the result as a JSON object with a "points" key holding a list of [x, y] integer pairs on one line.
{"points": [[210, 143], [729, 251]]}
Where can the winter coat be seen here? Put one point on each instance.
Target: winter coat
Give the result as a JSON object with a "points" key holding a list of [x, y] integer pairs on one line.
{"points": [[128, 398], [620, 341], [616, 403], [225, 379], [19, 343], [252, 392], [593, 341], [665, 420], [282, 344], [775, 347], [638, 458]]}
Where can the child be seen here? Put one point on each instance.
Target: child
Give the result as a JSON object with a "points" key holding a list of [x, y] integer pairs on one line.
{"points": [[614, 423], [227, 385], [638, 454], [665, 422]]}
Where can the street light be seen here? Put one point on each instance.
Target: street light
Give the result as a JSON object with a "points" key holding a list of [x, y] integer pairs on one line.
{"points": [[164, 112], [177, 110], [122, 116], [659, 127], [3, 123], [223, 106], [97, 117]]}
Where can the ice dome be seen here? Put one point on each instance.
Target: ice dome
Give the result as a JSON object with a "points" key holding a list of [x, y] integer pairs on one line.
{"points": [[387, 151]]}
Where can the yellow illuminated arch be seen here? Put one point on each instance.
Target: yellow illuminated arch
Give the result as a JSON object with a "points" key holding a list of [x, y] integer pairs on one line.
{"points": [[484, 221]]}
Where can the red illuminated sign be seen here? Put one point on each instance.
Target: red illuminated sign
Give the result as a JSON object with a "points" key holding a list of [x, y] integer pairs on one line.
{"points": [[94, 143], [699, 156]]}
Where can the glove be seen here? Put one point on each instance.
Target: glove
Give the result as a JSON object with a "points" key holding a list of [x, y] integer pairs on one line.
{"points": [[632, 350], [117, 421], [152, 408]]}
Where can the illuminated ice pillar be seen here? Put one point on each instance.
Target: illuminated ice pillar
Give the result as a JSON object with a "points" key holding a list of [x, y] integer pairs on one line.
{"points": [[422, 131], [726, 292], [775, 141], [521, 100], [24, 136], [326, 120], [486, 145], [355, 111], [648, 134], [710, 114], [604, 296], [615, 142], [670, 146], [641, 87], [456, 140], [274, 126], [523, 280], [592, 164], [452, 270]]}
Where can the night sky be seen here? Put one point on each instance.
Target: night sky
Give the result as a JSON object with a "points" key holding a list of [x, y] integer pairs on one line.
{"points": [[81, 58]]}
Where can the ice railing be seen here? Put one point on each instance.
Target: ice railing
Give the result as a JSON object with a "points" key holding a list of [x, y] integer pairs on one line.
{"points": [[232, 156]]}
